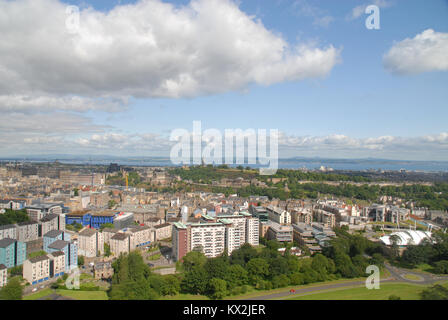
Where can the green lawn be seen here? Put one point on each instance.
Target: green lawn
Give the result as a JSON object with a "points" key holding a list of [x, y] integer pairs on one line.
{"points": [[157, 256], [258, 293], [403, 290], [36, 254], [83, 295], [37, 295], [75, 294], [413, 277], [184, 297]]}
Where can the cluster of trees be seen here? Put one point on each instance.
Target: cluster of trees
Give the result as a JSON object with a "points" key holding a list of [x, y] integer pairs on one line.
{"points": [[13, 216], [434, 197], [436, 292], [13, 290], [134, 280], [206, 174], [433, 252], [133, 179], [267, 268], [294, 175]]}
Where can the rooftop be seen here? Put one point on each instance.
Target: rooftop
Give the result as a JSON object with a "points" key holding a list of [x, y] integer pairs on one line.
{"points": [[6, 242], [59, 244], [119, 236], [39, 258], [88, 232], [53, 233]]}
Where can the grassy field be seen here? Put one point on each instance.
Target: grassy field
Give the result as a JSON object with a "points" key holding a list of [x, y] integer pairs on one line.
{"points": [[403, 290], [78, 295], [414, 277], [37, 295], [258, 293], [185, 297], [83, 295]]}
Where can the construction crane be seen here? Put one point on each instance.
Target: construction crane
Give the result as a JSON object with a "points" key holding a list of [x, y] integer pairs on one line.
{"points": [[125, 176]]}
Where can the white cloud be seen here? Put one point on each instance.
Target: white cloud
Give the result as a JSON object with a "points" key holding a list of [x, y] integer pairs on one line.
{"points": [[47, 123], [427, 51], [429, 147], [146, 49], [320, 17], [37, 103]]}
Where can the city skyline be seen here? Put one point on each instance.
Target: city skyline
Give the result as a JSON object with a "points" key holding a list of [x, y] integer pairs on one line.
{"points": [[311, 69]]}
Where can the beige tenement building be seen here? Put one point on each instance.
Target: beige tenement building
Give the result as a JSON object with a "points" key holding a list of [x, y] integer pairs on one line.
{"points": [[90, 243], [140, 236], [162, 231], [37, 269], [57, 263], [120, 243], [278, 215], [3, 275]]}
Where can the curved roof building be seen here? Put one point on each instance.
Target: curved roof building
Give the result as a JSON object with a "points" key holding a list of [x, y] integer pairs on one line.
{"points": [[406, 237]]}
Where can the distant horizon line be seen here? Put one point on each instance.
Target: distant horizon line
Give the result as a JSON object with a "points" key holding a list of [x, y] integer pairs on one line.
{"points": [[84, 157]]}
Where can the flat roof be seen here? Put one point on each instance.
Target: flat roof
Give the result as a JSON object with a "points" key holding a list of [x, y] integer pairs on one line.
{"points": [[119, 236], [6, 242], [39, 258], [88, 232], [59, 244], [53, 233], [77, 214]]}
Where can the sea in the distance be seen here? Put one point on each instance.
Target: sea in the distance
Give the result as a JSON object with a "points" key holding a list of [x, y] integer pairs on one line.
{"points": [[291, 163]]}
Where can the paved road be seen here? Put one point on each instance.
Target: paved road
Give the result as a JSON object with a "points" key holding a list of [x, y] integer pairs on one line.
{"points": [[396, 275]]}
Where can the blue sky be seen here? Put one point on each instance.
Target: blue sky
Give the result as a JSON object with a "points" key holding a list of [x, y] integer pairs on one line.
{"points": [[359, 98]]}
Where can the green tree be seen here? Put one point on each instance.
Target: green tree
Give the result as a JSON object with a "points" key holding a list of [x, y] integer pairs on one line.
{"points": [[195, 281], [217, 288], [192, 259], [236, 276], [441, 267], [80, 261], [13, 290], [257, 269], [436, 292], [242, 255], [107, 251]]}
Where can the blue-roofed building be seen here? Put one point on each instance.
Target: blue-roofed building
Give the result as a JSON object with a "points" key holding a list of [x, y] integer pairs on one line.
{"points": [[98, 219], [78, 217], [12, 252]]}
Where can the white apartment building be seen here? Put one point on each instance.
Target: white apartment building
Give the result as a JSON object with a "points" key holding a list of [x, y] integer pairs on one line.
{"points": [[90, 243], [252, 231], [8, 231], [162, 231], [279, 215], [37, 269], [239, 222], [140, 236], [208, 236], [3, 275], [27, 231], [57, 263], [232, 236], [120, 243]]}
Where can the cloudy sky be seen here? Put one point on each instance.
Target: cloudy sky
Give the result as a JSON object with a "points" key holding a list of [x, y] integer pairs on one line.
{"points": [[119, 81]]}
